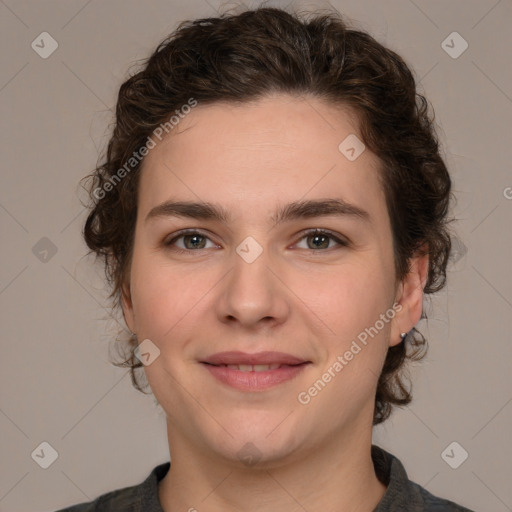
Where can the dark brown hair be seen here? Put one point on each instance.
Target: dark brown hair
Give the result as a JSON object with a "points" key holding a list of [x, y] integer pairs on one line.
{"points": [[243, 57]]}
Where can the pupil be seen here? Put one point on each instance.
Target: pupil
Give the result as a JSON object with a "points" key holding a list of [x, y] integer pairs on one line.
{"points": [[190, 237], [316, 237]]}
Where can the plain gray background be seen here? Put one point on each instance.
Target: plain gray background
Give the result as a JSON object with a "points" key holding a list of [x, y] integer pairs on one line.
{"points": [[57, 385]]}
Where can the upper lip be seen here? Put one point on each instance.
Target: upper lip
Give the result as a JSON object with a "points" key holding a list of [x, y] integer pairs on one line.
{"points": [[252, 359]]}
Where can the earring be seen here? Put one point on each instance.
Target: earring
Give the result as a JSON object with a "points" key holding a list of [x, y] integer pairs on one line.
{"points": [[403, 335]]}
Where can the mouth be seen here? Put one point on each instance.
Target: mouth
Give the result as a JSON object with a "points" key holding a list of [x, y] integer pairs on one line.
{"points": [[254, 367], [254, 372], [236, 358]]}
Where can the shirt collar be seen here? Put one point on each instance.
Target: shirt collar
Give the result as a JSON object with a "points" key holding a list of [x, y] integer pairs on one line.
{"points": [[401, 493]]}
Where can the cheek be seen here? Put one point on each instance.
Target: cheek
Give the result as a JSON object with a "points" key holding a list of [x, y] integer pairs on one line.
{"points": [[359, 294], [158, 295], [353, 297], [168, 299]]}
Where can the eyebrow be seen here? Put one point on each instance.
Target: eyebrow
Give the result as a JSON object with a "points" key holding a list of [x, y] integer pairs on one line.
{"points": [[292, 211]]}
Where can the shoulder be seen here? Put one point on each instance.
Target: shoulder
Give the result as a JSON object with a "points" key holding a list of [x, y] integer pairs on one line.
{"points": [[121, 499], [136, 498], [431, 503], [402, 493]]}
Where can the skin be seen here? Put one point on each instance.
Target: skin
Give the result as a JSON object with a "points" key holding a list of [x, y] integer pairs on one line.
{"points": [[295, 298]]}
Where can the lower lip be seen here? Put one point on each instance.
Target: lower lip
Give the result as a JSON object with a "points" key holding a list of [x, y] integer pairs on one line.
{"points": [[254, 381]]}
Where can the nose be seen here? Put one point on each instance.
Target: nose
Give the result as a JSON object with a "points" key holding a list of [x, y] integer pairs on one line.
{"points": [[252, 295]]}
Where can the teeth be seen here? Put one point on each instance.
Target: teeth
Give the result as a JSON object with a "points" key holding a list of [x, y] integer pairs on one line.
{"points": [[265, 367], [253, 368]]}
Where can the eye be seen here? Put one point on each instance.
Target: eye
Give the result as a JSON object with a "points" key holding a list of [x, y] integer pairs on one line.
{"points": [[192, 241], [320, 239]]}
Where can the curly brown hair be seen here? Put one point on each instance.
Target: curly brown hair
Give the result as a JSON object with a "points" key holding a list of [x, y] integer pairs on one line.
{"points": [[245, 56]]}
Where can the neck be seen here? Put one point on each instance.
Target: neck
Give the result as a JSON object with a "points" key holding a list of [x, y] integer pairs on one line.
{"points": [[340, 476]]}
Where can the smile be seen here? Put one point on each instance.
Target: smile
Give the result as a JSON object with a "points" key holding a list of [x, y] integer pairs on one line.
{"points": [[258, 377], [252, 368]]}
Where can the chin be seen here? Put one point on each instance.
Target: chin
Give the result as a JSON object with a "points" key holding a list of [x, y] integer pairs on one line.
{"points": [[264, 442], [260, 454]]}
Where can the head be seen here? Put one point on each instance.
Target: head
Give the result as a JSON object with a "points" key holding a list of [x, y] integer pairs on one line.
{"points": [[249, 113]]}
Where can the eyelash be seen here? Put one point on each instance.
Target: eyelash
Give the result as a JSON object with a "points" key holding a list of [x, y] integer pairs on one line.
{"points": [[305, 234]]}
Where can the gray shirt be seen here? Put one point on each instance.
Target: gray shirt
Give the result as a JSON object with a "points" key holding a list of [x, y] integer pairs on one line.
{"points": [[402, 495]]}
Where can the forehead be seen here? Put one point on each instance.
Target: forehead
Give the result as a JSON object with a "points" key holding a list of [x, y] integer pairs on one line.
{"points": [[257, 154]]}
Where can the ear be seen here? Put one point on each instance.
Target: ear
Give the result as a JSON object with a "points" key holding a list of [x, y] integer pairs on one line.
{"points": [[410, 297], [127, 305]]}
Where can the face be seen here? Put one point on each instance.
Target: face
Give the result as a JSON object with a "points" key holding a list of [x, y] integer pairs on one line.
{"points": [[259, 284]]}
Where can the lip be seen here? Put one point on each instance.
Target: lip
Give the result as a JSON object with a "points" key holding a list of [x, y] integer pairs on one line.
{"points": [[290, 367], [235, 357]]}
